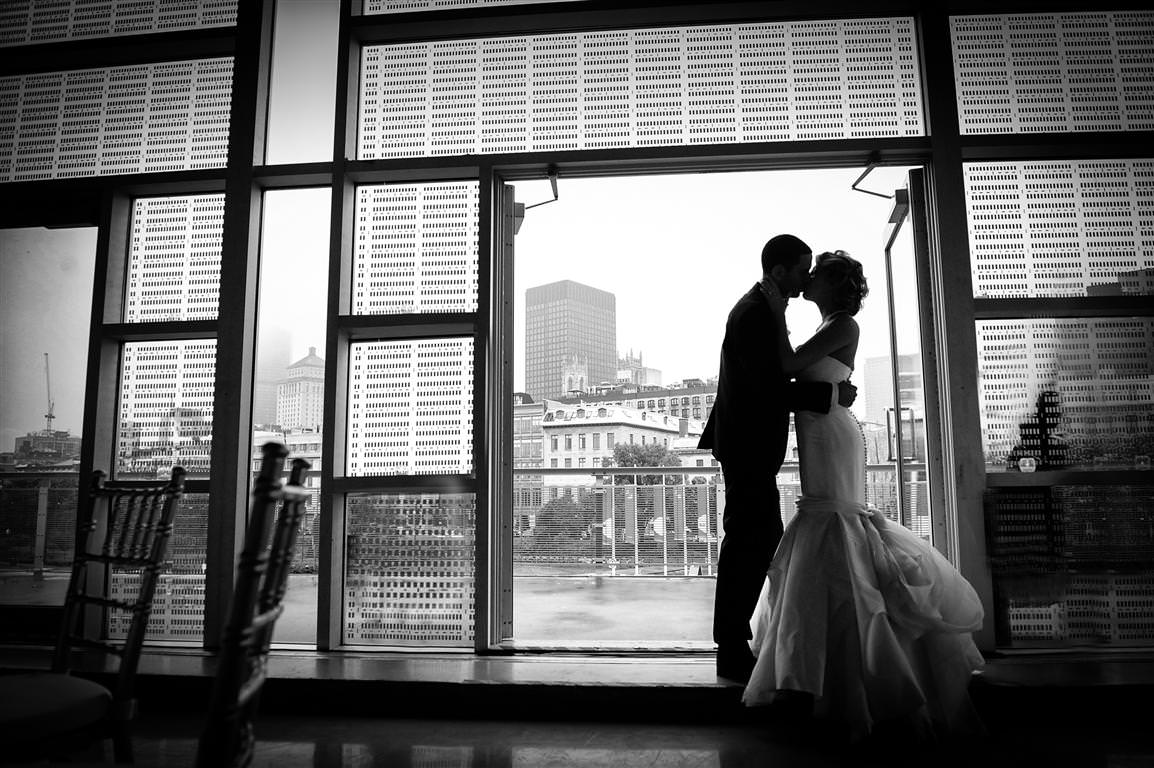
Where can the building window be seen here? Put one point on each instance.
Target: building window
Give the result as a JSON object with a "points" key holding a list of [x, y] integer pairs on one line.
{"points": [[609, 440], [568, 442], [596, 441], [581, 442], [553, 442]]}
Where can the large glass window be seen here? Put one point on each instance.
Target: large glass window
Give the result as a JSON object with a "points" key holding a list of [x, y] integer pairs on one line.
{"points": [[1066, 400], [45, 296], [289, 387], [617, 557]]}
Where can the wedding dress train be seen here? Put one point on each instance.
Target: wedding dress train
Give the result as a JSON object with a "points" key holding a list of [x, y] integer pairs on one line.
{"points": [[859, 611]]}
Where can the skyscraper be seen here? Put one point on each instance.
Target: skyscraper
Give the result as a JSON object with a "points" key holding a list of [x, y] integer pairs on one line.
{"points": [[569, 327], [300, 398]]}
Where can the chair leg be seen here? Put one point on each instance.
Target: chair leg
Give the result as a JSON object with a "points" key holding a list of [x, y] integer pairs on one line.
{"points": [[122, 744]]}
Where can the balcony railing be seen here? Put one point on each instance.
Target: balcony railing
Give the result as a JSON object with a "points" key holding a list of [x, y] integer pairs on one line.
{"points": [[657, 521], [37, 521]]}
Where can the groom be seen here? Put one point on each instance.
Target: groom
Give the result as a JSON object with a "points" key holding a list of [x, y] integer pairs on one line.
{"points": [[747, 432]]}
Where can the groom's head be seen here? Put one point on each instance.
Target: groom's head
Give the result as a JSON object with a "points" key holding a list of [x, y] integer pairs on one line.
{"points": [[786, 260]]}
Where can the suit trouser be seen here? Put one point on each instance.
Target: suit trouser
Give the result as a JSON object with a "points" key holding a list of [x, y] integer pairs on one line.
{"points": [[753, 529]]}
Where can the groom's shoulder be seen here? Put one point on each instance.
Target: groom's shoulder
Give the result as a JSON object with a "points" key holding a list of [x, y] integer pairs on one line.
{"points": [[751, 301]]}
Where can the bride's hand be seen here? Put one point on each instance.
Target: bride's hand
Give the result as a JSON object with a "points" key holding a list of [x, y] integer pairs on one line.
{"points": [[777, 302]]}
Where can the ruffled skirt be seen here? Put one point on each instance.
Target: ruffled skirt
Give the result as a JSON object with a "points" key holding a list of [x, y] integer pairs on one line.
{"points": [[868, 618]]}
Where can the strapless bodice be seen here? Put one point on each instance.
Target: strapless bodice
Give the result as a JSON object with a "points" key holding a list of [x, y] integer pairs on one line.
{"points": [[826, 369]]}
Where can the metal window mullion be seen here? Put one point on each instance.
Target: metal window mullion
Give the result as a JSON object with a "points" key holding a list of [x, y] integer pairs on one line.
{"points": [[391, 484], [953, 309], [118, 50], [749, 156], [161, 331], [236, 325], [331, 544], [1043, 307], [516, 20], [1088, 145], [405, 327], [930, 368], [101, 406], [484, 389], [1049, 478]]}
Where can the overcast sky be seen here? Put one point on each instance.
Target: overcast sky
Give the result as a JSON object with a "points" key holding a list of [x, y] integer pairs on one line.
{"points": [[678, 251]]}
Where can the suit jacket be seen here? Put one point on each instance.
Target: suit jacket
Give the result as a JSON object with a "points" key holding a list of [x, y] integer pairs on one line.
{"points": [[749, 424]]}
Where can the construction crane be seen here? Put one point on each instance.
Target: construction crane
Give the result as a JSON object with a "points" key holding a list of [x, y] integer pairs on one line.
{"points": [[48, 385]]}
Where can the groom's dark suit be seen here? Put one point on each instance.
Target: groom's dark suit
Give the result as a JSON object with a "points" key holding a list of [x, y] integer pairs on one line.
{"points": [[747, 433]]}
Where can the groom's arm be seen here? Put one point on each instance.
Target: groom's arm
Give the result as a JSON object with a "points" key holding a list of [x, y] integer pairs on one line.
{"points": [[817, 396]]}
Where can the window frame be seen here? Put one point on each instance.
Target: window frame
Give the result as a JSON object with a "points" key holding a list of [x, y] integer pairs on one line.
{"points": [[105, 202]]}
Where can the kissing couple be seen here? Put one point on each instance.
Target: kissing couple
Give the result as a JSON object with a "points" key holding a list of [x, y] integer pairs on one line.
{"points": [[844, 612]]}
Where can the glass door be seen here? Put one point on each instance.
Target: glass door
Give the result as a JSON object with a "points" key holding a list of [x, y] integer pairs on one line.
{"points": [[909, 407]]}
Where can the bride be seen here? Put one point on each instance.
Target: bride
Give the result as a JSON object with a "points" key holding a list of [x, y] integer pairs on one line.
{"points": [[857, 612]]}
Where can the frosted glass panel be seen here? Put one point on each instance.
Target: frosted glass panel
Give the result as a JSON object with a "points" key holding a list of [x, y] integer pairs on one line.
{"points": [[174, 258], [178, 603], [135, 119], [166, 402], [1037, 73], [1061, 228], [410, 407], [1072, 564], [47, 21], [776, 81], [417, 248], [1067, 393], [409, 574]]}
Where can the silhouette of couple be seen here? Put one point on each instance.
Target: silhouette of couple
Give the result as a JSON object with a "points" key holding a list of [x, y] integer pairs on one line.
{"points": [[848, 615]]}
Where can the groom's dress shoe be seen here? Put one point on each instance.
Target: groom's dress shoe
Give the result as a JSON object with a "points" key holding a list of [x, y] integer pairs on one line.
{"points": [[735, 663]]}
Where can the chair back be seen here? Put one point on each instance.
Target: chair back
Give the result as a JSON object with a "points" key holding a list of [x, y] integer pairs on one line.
{"points": [[257, 602], [123, 526]]}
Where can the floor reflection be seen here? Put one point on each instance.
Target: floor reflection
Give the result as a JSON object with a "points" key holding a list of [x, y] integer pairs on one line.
{"points": [[359, 742]]}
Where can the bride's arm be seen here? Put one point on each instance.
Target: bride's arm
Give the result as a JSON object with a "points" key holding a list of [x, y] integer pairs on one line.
{"points": [[841, 332]]}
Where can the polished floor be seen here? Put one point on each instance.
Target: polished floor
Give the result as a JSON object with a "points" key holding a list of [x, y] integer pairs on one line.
{"points": [[405, 711], [359, 742]]}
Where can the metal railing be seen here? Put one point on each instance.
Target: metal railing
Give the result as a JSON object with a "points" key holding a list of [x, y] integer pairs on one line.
{"points": [[37, 521], [659, 521]]}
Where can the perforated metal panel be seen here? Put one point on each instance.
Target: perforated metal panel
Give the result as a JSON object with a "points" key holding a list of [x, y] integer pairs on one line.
{"points": [[1061, 228], [649, 87], [416, 248], [24, 22], [1102, 371], [409, 569], [166, 404], [410, 407], [142, 118], [1034, 73], [174, 258], [1072, 563], [178, 602], [373, 7]]}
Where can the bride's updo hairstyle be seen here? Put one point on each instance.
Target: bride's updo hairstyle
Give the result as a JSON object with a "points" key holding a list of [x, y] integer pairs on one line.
{"points": [[846, 276]]}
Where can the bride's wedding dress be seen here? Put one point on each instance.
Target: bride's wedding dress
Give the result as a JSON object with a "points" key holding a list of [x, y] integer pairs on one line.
{"points": [[857, 610]]}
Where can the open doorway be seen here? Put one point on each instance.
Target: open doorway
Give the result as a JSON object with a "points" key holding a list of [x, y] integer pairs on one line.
{"points": [[622, 289]]}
